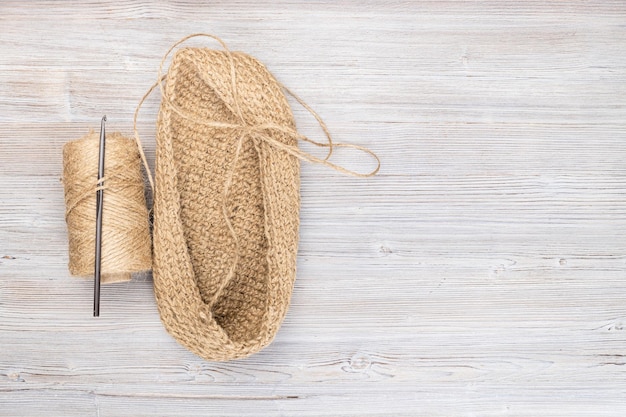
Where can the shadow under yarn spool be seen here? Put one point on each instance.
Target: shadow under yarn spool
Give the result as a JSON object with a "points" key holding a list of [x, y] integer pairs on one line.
{"points": [[126, 242]]}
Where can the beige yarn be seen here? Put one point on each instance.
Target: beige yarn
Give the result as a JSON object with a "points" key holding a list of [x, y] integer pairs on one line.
{"points": [[226, 211], [126, 234], [216, 317]]}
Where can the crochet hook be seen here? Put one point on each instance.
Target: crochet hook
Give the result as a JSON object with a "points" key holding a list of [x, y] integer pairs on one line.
{"points": [[99, 205]]}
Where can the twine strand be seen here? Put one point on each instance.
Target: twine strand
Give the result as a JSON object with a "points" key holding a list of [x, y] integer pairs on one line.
{"points": [[256, 130]]}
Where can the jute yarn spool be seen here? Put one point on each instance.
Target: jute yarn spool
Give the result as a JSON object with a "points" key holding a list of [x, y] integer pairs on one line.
{"points": [[126, 242]]}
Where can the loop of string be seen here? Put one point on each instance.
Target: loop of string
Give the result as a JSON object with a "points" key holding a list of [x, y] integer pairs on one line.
{"points": [[245, 129], [256, 130], [85, 195]]}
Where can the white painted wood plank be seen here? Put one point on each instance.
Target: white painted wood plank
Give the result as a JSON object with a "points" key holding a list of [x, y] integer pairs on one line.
{"points": [[481, 273]]}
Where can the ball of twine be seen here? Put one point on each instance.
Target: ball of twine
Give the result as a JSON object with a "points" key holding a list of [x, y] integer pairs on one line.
{"points": [[126, 242]]}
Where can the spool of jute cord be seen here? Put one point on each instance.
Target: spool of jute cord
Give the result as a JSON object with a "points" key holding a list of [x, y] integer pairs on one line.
{"points": [[126, 242]]}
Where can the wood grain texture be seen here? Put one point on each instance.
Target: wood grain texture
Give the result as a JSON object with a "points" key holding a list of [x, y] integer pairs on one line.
{"points": [[481, 273]]}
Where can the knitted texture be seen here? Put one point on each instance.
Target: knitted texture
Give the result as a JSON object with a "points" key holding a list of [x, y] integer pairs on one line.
{"points": [[226, 206]]}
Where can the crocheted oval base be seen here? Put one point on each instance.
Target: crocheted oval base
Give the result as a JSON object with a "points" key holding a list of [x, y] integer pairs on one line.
{"points": [[226, 210]]}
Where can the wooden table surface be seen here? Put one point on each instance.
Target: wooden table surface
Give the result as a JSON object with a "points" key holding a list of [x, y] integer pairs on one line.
{"points": [[481, 273]]}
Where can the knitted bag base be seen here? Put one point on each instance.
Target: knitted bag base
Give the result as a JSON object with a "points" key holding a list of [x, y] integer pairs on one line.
{"points": [[226, 206]]}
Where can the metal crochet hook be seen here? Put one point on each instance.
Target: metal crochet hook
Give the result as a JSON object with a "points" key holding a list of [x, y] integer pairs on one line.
{"points": [[99, 205]]}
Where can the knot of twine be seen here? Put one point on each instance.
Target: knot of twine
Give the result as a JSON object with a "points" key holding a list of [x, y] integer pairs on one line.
{"points": [[258, 131]]}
